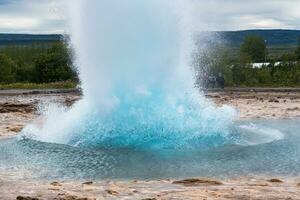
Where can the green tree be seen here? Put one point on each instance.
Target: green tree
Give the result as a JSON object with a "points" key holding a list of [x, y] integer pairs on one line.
{"points": [[24, 57], [55, 65], [255, 47], [298, 50], [288, 57], [7, 69]]}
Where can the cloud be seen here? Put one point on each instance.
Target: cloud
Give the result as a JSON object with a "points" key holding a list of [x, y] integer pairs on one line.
{"points": [[18, 23], [33, 16], [247, 14], [6, 1], [50, 16]]}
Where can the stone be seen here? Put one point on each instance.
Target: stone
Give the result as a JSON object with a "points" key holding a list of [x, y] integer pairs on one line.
{"points": [[275, 180], [273, 100], [197, 182], [292, 109], [26, 198], [16, 129], [88, 183], [150, 199], [112, 192], [71, 197], [55, 183]]}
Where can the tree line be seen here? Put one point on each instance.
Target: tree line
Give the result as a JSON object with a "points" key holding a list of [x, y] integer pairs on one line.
{"points": [[50, 63], [241, 71], [36, 63]]}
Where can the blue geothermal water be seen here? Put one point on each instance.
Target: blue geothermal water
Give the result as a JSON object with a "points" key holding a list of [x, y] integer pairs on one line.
{"points": [[133, 58], [269, 148]]}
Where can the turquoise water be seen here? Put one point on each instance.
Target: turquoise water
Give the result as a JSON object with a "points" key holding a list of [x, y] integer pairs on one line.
{"points": [[252, 148]]}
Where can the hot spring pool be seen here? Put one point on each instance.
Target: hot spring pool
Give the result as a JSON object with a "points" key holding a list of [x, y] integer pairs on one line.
{"points": [[262, 147]]}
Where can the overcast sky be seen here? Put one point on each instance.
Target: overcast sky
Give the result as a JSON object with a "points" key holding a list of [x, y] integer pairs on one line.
{"points": [[50, 16]]}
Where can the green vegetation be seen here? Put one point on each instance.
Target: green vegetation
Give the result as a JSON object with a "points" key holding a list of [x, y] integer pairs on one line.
{"points": [[7, 69], [49, 64], [239, 71], [54, 65], [298, 50], [255, 48], [56, 85], [31, 66], [284, 75]]}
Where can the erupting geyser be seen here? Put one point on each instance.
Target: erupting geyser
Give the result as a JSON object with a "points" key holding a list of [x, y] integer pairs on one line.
{"points": [[133, 61]]}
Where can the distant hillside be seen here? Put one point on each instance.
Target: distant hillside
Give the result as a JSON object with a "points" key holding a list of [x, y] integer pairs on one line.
{"points": [[235, 38], [273, 37], [27, 39]]}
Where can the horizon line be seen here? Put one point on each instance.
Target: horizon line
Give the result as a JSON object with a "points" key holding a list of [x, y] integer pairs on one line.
{"points": [[237, 30]]}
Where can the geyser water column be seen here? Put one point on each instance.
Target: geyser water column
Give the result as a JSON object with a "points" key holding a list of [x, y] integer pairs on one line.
{"points": [[127, 47], [133, 61]]}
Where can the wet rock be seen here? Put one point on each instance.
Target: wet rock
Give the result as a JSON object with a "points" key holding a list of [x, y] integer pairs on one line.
{"points": [[16, 129], [197, 182], [71, 197], [88, 183], [26, 198], [13, 108], [258, 184], [292, 109], [275, 180], [112, 192], [70, 101], [54, 189], [273, 100], [55, 184]]}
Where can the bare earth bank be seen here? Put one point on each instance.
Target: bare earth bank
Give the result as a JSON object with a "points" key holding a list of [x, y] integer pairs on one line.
{"points": [[20, 108]]}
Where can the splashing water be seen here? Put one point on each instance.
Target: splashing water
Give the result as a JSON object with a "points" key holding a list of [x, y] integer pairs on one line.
{"points": [[138, 87]]}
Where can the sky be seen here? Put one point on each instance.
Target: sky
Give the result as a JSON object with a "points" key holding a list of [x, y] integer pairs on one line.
{"points": [[50, 16], [33, 16]]}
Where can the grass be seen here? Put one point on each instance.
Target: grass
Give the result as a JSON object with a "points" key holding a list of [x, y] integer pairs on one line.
{"points": [[56, 85], [277, 51]]}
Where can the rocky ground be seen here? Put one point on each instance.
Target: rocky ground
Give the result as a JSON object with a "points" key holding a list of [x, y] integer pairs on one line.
{"points": [[260, 103], [189, 189], [18, 108]]}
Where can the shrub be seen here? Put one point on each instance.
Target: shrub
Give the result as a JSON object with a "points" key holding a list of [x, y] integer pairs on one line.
{"points": [[54, 65], [7, 69]]}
